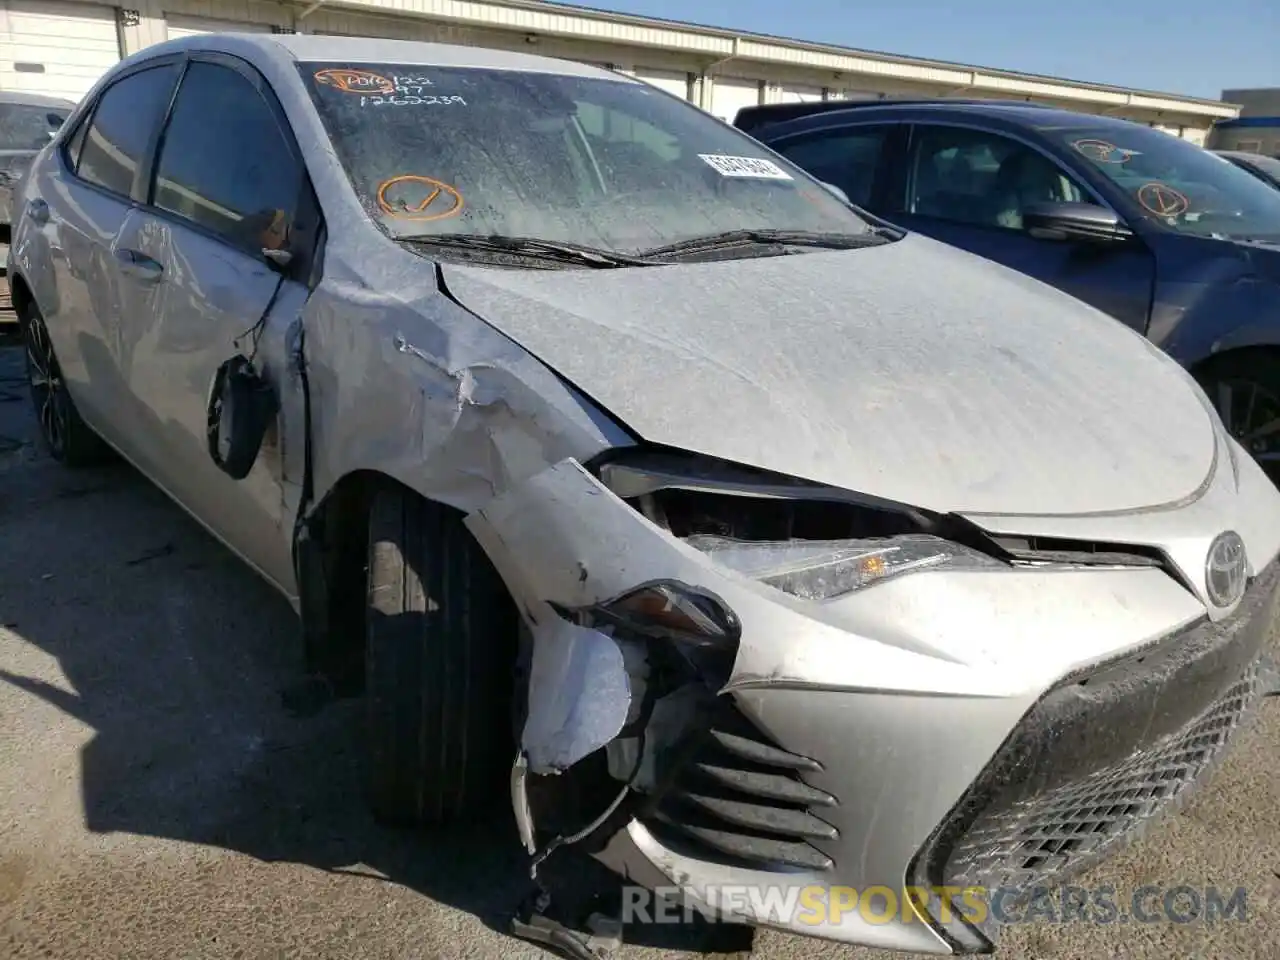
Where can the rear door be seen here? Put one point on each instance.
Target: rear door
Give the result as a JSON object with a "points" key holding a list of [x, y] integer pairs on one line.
{"points": [[857, 158], [228, 185], [97, 177], [968, 186]]}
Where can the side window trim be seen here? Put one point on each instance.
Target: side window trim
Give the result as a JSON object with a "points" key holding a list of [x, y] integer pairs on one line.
{"points": [[75, 138], [913, 141], [308, 221], [71, 166]]}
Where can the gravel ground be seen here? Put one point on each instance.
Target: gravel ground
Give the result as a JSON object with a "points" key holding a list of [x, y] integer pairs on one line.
{"points": [[157, 801]]}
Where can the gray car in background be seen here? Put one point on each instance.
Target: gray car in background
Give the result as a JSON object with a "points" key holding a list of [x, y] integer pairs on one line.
{"points": [[645, 489], [1266, 169], [28, 121]]}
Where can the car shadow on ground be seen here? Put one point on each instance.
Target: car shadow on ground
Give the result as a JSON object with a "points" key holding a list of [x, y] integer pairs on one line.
{"points": [[181, 660]]}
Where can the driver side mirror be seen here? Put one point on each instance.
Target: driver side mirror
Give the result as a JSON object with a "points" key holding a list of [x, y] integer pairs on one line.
{"points": [[1074, 221]]}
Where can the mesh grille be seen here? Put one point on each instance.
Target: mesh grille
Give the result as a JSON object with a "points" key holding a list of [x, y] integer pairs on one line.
{"points": [[1067, 829]]}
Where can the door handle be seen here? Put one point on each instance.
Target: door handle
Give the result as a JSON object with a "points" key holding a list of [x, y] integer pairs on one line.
{"points": [[38, 210], [139, 265]]}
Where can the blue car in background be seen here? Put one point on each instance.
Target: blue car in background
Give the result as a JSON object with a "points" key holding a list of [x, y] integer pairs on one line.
{"points": [[1174, 241]]}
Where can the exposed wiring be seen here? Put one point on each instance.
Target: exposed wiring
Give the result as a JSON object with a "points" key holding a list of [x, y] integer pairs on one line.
{"points": [[544, 896]]}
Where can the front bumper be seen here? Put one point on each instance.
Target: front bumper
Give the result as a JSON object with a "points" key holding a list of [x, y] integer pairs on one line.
{"points": [[967, 728]]}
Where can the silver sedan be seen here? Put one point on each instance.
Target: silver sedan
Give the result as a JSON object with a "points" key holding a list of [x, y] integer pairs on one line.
{"points": [[609, 455]]}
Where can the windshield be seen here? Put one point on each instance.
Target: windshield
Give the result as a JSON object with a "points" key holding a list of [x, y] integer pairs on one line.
{"points": [[613, 164], [27, 127], [1179, 184]]}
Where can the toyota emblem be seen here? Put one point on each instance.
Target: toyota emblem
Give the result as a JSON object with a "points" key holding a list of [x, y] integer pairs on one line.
{"points": [[1226, 569]]}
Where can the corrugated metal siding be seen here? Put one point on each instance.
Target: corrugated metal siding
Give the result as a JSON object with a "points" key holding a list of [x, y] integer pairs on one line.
{"points": [[600, 37], [181, 25], [672, 81], [232, 11], [54, 47], [798, 93], [731, 94]]}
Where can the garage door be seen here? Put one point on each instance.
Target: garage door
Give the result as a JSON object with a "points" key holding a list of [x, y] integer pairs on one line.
{"points": [[55, 47], [180, 26], [795, 93], [731, 94], [672, 81]]}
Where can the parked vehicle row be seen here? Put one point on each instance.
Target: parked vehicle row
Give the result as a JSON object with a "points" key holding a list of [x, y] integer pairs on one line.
{"points": [[28, 122], [643, 487]]}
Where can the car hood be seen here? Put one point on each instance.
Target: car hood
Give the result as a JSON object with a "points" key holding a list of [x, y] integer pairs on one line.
{"points": [[1264, 258], [911, 371]]}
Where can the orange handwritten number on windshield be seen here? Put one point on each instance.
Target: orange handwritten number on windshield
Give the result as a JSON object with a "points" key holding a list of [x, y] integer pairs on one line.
{"points": [[355, 81], [427, 190]]}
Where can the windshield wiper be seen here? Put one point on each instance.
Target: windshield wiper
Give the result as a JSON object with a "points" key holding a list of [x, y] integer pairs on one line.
{"points": [[743, 238], [558, 251]]}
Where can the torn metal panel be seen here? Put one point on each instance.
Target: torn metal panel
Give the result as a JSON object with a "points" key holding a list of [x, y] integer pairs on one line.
{"points": [[579, 695], [412, 386]]}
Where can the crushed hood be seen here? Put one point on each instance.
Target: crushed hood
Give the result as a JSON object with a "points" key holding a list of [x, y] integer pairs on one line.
{"points": [[911, 371]]}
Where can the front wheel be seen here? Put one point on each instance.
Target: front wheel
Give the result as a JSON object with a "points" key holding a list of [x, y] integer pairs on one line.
{"points": [[440, 658], [1244, 387], [67, 437]]}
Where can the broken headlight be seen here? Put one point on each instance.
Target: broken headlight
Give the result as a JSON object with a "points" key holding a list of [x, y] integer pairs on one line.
{"points": [[674, 611], [824, 569]]}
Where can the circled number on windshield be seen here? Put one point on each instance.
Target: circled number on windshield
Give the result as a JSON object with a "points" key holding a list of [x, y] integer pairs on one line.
{"points": [[355, 81], [1102, 151], [1162, 200], [413, 197]]}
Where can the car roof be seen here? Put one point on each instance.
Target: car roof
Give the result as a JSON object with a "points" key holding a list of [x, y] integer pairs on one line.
{"points": [[1244, 155], [35, 99], [1017, 112], [311, 47]]}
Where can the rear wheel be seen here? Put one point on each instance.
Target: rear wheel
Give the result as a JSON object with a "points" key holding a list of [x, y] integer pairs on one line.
{"points": [[67, 437], [1244, 386], [440, 657]]}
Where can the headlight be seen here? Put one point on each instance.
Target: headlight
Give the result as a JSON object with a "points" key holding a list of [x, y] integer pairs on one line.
{"points": [[824, 569]]}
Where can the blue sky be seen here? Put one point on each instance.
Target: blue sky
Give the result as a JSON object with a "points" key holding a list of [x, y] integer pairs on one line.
{"points": [[1196, 47]]}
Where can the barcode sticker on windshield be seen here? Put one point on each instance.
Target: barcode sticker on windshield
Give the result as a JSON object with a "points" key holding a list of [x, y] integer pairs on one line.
{"points": [[754, 167]]}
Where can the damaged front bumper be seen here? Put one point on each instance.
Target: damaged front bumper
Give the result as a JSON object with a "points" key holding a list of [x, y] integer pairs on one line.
{"points": [[971, 728]]}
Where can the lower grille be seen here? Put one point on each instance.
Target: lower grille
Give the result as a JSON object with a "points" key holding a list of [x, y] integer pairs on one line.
{"points": [[1104, 754], [1067, 829], [740, 801]]}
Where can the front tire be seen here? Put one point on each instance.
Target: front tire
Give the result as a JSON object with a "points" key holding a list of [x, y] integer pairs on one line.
{"points": [[1244, 387], [440, 655], [69, 440]]}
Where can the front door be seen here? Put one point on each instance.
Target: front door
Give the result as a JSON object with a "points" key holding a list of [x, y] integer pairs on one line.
{"points": [[227, 185], [968, 187]]}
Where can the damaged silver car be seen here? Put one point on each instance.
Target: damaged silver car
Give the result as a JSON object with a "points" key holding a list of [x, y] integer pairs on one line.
{"points": [[637, 481]]}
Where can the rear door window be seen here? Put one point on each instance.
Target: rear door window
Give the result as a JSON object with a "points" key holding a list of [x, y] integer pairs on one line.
{"points": [[847, 158], [122, 127]]}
